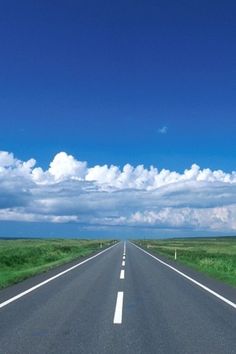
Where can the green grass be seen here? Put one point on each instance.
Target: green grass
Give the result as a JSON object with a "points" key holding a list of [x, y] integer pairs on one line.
{"points": [[213, 256], [20, 259]]}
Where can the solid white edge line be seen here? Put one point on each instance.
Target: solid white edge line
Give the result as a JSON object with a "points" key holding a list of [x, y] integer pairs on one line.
{"points": [[122, 274], [222, 298], [16, 297], [119, 308], [123, 263]]}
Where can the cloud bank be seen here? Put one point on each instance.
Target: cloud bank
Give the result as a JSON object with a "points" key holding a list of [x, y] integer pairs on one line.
{"points": [[70, 191]]}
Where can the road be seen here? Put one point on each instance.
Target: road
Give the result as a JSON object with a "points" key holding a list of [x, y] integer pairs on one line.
{"points": [[116, 303]]}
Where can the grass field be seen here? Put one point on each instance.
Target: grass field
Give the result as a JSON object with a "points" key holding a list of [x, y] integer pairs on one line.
{"points": [[213, 256], [20, 259]]}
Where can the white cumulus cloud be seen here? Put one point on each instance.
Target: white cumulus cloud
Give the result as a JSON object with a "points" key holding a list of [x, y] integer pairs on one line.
{"points": [[66, 166]]}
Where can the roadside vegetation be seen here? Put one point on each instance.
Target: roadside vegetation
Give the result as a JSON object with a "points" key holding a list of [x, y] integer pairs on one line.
{"points": [[20, 259], [213, 256]]}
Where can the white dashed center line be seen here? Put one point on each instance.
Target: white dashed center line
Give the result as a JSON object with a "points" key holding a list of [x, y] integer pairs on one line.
{"points": [[122, 274], [119, 308], [120, 295]]}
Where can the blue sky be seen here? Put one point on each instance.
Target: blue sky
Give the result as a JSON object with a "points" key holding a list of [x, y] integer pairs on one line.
{"points": [[138, 82]]}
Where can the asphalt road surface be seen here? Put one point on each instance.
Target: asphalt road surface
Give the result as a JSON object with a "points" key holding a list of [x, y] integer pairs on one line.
{"points": [[116, 303]]}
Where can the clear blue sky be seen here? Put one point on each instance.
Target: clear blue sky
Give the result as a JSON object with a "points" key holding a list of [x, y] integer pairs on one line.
{"points": [[98, 79]]}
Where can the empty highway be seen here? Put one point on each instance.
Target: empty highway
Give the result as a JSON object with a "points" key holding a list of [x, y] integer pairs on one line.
{"points": [[123, 300]]}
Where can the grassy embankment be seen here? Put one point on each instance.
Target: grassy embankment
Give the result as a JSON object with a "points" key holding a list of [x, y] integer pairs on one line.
{"points": [[20, 259], [213, 256]]}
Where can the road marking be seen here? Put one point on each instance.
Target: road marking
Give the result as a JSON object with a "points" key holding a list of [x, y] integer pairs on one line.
{"points": [[191, 279], [124, 257], [124, 247], [119, 308], [14, 298], [123, 263], [122, 274]]}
